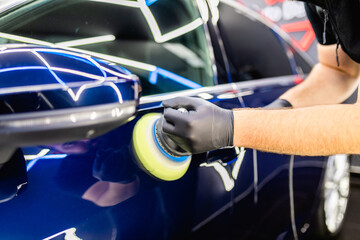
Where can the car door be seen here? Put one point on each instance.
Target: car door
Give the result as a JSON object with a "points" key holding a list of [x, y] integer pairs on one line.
{"points": [[93, 188]]}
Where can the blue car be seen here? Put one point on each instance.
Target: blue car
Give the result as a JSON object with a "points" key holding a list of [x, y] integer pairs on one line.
{"points": [[76, 77]]}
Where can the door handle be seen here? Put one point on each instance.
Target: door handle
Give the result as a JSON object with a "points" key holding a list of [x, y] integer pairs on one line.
{"points": [[226, 155]]}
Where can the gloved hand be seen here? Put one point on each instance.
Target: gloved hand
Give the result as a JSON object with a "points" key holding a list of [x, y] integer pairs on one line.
{"points": [[203, 127], [279, 103]]}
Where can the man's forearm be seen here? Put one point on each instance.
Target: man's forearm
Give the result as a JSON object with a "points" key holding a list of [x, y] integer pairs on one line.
{"points": [[321, 130]]}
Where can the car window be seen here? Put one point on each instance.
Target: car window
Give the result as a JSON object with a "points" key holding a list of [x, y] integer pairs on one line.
{"points": [[255, 51], [163, 42]]}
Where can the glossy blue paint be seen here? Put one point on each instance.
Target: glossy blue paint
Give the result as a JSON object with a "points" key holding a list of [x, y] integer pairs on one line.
{"points": [[43, 76], [149, 2], [3, 70], [32, 163]]}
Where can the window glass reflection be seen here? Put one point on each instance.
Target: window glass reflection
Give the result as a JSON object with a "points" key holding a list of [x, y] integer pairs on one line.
{"points": [[163, 42]]}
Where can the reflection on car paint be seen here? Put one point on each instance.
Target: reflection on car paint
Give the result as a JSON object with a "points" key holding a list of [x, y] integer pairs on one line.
{"points": [[69, 234], [206, 96], [53, 70], [87, 41], [152, 22], [184, 53], [119, 60], [213, 5], [41, 154], [231, 95], [32, 162], [5, 5], [154, 28], [172, 76], [149, 2], [24, 40], [219, 167], [223, 173], [241, 155], [154, 70]]}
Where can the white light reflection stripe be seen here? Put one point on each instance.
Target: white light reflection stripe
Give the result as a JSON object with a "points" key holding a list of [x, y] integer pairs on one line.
{"points": [[42, 87], [184, 53], [7, 5], [154, 27], [152, 23], [204, 12], [36, 51], [228, 182], [239, 161], [70, 234], [48, 67], [87, 41], [96, 77], [12, 69], [32, 163], [180, 31], [79, 73], [87, 57], [125, 3], [75, 97], [55, 156], [225, 176], [25, 39], [214, 10], [150, 19], [116, 89], [118, 60], [116, 73], [39, 155]]}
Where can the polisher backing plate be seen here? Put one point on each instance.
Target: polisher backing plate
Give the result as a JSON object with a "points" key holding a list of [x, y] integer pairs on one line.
{"points": [[148, 153]]}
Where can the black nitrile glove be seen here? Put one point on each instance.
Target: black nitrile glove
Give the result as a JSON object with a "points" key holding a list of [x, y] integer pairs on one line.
{"points": [[279, 103], [203, 127]]}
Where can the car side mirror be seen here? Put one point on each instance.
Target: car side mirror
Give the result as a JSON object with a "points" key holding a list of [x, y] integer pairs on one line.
{"points": [[51, 95]]}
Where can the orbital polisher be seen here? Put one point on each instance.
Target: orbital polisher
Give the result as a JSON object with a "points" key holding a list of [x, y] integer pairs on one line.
{"points": [[155, 152]]}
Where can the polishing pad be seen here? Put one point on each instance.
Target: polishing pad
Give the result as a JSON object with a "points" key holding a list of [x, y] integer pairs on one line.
{"points": [[151, 156]]}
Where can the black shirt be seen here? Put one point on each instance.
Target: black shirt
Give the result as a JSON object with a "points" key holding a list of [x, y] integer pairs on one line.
{"points": [[337, 22]]}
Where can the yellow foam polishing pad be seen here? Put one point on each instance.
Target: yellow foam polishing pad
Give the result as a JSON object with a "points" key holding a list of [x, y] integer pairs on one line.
{"points": [[149, 154]]}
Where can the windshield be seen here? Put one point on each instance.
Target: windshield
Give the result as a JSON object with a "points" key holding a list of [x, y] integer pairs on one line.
{"points": [[163, 42]]}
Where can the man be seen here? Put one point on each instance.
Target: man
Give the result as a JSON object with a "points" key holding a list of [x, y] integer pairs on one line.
{"points": [[315, 125]]}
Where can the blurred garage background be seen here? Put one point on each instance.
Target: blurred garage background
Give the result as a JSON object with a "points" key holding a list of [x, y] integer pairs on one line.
{"points": [[290, 16]]}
